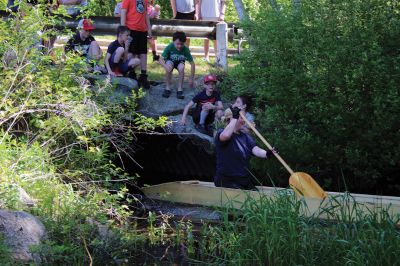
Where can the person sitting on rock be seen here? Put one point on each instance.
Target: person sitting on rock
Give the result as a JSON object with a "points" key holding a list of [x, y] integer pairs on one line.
{"points": [[174, 56], [208, 106], [84, 43], [118, 61]]}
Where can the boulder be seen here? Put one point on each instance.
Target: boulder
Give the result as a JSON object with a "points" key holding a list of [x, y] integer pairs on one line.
{"points": [[188, 131], [154, 105], [21, 231], [121, 86]]}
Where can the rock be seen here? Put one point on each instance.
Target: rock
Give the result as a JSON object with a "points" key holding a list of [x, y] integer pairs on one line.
{"points": [[21, 231], [188, 131], [122, 86], [154, 105]]}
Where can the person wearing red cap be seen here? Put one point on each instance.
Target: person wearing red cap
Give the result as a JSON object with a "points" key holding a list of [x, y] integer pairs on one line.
{"points": [[83, 42], [208, 106]]}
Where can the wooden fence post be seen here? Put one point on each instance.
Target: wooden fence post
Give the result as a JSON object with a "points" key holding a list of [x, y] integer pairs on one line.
{"points": [[222, 45]]}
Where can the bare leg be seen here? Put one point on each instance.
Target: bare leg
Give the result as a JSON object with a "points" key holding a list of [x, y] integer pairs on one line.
{"points": [[169, 67], [143, 61], [133, 62], [215, 47], [181, 70], [206, 49], [119, 53], [94, 51]]}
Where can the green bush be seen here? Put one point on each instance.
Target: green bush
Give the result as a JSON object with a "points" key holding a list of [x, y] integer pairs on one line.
{"points": [[325, 80], [59, 136]]}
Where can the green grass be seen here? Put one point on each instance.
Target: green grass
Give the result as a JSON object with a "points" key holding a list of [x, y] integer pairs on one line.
{"points": [[157, 72], [275, 232]]}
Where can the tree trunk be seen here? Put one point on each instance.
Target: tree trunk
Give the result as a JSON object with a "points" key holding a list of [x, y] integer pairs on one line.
{"points": [[240, 10]]}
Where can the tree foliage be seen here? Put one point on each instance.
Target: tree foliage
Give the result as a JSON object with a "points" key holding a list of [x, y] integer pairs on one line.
{"points": [[59, 137], [326, 81]]}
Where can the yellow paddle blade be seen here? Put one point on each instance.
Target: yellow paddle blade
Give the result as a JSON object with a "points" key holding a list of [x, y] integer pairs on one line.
{"points": [[304, 185]]}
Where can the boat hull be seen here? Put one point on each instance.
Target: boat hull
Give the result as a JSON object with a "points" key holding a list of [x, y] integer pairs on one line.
{"points": [[206, 194]]}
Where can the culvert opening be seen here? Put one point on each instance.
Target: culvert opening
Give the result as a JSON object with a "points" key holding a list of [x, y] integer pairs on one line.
{"points": [[170, 157]]}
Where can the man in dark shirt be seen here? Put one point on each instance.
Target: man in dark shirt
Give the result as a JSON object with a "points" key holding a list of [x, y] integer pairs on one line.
{"points": [[234, 150], [118, 60], [208, 106], [83, 42]]}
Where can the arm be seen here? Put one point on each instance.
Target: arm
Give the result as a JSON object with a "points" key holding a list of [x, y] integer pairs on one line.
{"points": [[185, 112], [192, 72], [258, 152], [107, 64], [200, 16], [149, 34], [173, 6], [218, 106], [222, 8], [226, 134], [123, 17]]}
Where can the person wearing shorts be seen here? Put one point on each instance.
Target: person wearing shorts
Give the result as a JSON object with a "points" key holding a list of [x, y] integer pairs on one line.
{"points": [[134, 16], [185, 9], [118, 61], [208, 106], [174, 56], [211, 10]]}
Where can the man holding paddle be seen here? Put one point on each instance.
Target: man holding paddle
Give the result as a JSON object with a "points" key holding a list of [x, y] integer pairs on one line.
{"points": [[234, 149]]}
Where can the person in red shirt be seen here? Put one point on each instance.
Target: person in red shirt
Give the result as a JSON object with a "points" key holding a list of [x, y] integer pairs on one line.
{"points": [[134, 16]]}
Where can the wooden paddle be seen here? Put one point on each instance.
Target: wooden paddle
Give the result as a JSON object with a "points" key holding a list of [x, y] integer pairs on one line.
{"points": [[302, 183]]}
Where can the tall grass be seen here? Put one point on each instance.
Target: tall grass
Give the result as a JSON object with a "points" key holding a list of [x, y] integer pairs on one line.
{"points": [[276, 232]]}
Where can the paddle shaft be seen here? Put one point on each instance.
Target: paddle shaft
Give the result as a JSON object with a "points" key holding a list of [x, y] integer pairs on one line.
{"points": [[266, 143]]}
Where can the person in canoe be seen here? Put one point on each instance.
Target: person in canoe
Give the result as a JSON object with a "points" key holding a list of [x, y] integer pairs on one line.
{"points": [[234, 149]]}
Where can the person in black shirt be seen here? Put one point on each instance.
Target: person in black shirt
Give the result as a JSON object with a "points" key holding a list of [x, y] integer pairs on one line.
{"points": [[234, 149], [118, 61], [208, 106], [83, 42]]}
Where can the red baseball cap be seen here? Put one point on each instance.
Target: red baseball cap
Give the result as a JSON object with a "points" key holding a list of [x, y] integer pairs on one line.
{"points": [[210, 78], [86, 24]]}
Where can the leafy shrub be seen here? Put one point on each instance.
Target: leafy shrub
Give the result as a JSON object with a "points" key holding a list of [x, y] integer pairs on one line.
{"points": [[325, 80], [58, 138]]}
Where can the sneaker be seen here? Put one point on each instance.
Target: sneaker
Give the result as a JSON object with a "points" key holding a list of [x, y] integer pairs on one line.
{"points": [[99, 70], [143, 82], [209, 129], [166, 93], [179, 95], [201, 129], [156, 57], [206, 59], [132, 75]]}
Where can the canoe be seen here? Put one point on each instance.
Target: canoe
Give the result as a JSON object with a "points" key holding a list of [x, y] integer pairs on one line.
{"points": [[206, 194]]}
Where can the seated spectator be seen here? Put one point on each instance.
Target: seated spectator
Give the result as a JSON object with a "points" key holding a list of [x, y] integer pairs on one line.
{"points": [[117, 10], [83, 42], [73, 7], [174, 56], [118, 61], [153, 11], [208, 106]]}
